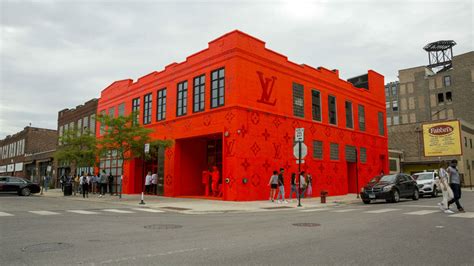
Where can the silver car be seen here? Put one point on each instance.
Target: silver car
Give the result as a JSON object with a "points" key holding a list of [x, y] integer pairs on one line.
{"points": [[427, 183]]}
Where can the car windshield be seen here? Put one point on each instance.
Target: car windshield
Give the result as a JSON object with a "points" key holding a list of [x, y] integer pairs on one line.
{"points": [[385, 178], [424, 176]]}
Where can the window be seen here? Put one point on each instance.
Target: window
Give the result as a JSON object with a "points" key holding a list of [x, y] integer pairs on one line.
{"points": [[136, 110], [389, 121], [361, 115], [217, 88], [387, 92], [440, 98], [470, 143], [387, 105], [465, 142], [349, 118], [161, 105], [316, 105], [79, 127], [298, 100], [147, 101], [393, 165], [449, 97], [317, 149], [363, 155], [121, 109], [198, 94], [396, 120], [395, 106], [112, 111], [332, 110], [381, 125], [394, 91], [334, 151], [102, 126], [447, 81], [182, 106], [351, 154], [85, 123], [92, 123]]}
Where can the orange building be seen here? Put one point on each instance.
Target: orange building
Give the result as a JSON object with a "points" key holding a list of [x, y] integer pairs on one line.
{"points": [[235, 105]]}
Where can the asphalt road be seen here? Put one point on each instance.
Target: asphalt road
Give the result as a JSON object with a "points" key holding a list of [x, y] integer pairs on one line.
{"points": [[407, 233]]}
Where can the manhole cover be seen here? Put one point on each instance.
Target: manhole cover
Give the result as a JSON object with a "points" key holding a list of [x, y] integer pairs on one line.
{"points": [[162, 226], [176, 208], [307, 224], [279, 207], [47, 247]]}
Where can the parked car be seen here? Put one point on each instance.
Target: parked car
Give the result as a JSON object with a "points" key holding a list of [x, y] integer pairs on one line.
{"points": [[426, 182], [390, 188], [18, 185]]}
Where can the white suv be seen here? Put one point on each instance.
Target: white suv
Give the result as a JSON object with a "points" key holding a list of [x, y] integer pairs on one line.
{"points": [[426, 182]]}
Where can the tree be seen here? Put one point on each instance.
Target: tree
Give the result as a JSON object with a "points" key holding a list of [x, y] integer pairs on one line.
{"points": [[125, 137], [79, 150]]}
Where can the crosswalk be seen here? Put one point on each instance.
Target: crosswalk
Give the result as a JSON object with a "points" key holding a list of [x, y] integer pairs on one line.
{"points": [[85, 212]]}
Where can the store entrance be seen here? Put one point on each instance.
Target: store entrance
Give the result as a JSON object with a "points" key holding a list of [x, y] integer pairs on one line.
{"points": [[156, 165]]}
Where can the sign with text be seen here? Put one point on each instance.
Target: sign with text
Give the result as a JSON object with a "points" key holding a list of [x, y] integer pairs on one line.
{"points": [[442, 138], [299, 134]]}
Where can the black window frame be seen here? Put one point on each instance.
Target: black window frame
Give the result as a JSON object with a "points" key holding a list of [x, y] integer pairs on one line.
{"points": [[298, 100], [440, 97], [199, 93], [361, 117], [136, 108], [147, 108], [351, 115], [217, 91], [333, 111], [182, 98], [334, 147], [381, 123], [316, 105], [449, 96], [318, 149], [161, 105]]}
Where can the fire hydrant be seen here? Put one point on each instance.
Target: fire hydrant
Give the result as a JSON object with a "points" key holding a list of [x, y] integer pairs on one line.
{"points": [[324, 194]]}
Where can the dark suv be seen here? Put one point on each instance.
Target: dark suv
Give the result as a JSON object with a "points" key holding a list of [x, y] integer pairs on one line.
{"points": [[390, 188]]}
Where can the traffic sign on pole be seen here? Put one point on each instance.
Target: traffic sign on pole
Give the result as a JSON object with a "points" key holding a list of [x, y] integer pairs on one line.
{"points": [[299, 134], [296, 151], [147, 147]]}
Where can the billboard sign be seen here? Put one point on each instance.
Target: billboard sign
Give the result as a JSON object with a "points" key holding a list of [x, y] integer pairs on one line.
{"points": [[442, 138]]}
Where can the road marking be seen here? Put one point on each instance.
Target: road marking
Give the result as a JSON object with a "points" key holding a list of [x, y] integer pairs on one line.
{"points": [[5, 214], [382, 210], [117, 211], [419, 206], [423, 212], [147, 210], [82, 212], [463, 215], [346, 210], [44, 212], [316, 210]]}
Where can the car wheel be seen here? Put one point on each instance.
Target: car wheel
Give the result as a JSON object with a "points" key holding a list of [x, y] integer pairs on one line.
{"points": [[435, 192], [25, 191], [416, 194], [395, 196], [366, 201]]}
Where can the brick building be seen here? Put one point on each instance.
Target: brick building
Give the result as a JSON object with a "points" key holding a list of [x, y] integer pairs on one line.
{"points": [[81, 118], [235, 105], [28, 153]]}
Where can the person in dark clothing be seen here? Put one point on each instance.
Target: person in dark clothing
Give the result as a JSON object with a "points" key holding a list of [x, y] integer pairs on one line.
{"points": [[281, 187], [455, 184], [293, 188], [111, 183]]}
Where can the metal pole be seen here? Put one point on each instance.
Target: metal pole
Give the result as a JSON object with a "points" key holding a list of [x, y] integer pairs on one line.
{"points": [[299, 174], [143, 186], [357, 173]]}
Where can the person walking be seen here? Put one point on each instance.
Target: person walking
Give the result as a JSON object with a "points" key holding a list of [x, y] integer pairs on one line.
{"points": [[62, 180], [84, 183], [455, 184], [148, 183], [103, 184], [110, 180], [293, 188], [273, 183], [443, 184], [309, 188], [281, 187], [46, 183], [76, 185], [154, 183], [302, 184]]}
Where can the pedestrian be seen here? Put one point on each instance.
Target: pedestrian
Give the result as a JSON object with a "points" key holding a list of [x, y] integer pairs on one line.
{"points": [[84, 183], [90, 180], [455, 184], [148, 183], [215, 182], [443, 184], [103, 183], [62, 180], [273, 183], [293, 188], [309, 182], [281, 187], [76, 187], [46, 182], [154, 183], [302, 184], [110, 178], [95, 180]]}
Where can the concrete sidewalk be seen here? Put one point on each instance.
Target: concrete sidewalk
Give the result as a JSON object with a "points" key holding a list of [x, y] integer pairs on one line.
{"points": [[202, 206]]}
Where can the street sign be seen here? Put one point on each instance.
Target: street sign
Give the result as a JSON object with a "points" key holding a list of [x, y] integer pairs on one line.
{"points": [[147, 147], [299, 134], [300, 161], [296, 150]]}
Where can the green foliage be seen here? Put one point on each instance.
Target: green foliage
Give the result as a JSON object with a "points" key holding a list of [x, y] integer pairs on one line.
{"points": [[80, 150]]}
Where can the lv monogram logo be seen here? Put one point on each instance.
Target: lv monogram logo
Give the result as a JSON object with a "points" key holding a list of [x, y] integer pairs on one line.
{"points": [[267, 89]]}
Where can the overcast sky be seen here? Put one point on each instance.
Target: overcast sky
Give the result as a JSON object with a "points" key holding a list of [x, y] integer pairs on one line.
{"points": [[59, 54]]}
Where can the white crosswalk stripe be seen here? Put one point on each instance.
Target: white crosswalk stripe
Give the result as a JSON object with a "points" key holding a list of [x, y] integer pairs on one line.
{"points": [[82, 212], [316, 210], [44, 212], [117, 211], [382, 211], [422, 212], [147, 210], [463, 215], [6, 214], [345, 210]]}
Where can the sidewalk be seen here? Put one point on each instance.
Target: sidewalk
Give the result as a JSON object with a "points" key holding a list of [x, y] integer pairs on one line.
{"points": [[202, 206]]}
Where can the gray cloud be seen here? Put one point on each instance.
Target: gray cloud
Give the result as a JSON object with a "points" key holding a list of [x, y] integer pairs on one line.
{"points": [[58, 54]]}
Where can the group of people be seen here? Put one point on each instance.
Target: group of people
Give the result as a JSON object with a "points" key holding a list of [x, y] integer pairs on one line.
{"points": [[299, 186], [85, 183], [212, 182], [450, 183], [151, 183]]}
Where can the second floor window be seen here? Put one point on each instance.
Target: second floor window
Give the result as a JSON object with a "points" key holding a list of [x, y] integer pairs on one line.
{"points": [[182, 105], [147, 99], [332, 110], [161, 105], [349, 116], [217, 88], [447, 81], [198, 94], [361, 115], [298, 100], [316, 105], [121, 109], [136, 109]]}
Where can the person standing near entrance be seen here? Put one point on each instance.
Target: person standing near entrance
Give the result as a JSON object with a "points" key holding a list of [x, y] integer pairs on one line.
{"points": [[273, 183], [309, 187], [103, 184], [46, 182], [302, 184], [84, 183], [147, 182], [215, 181], [293, 186], [154, 183], [455, 184], [281, 187], [110, 180]]}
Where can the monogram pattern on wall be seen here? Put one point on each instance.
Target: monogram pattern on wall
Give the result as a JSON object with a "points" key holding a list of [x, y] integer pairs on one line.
{"points": [[255, 118], [255, 148], [229, 147], [266, 85], [229, 116], [255, 180], [245, 164], [265, 134]]}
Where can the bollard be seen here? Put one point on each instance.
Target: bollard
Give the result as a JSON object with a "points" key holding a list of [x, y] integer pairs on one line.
{"points": [[323, 194]]}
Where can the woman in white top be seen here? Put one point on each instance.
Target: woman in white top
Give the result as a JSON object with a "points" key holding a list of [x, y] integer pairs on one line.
{"points": [[273, 183], [443, 183]]}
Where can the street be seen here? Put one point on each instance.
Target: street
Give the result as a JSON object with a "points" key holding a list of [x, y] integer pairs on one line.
{"points": [[56, 231]]}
